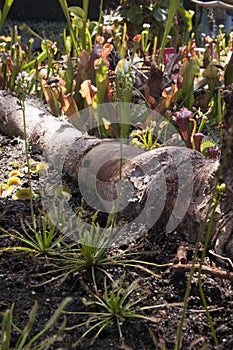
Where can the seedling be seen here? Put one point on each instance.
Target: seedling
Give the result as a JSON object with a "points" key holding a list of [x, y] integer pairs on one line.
{"points": [[116, 305], [25, 341], [41, 239]]}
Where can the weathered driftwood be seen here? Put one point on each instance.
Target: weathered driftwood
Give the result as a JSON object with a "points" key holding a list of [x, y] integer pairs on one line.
{"points": [[168, 188]]}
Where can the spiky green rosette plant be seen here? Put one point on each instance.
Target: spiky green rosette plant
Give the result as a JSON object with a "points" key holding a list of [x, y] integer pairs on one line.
{"points": [[24, 340], [117, 304]]}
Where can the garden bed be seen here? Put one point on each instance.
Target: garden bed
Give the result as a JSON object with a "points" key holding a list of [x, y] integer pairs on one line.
{"points": [[156, 265], [20, 284]]}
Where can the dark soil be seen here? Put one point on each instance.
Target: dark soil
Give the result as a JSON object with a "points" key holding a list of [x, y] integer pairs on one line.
{"points": [[20, 284]]}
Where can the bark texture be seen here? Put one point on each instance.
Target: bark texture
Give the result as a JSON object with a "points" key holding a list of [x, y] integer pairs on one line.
{"points": [[165, 189], [223, 232]]}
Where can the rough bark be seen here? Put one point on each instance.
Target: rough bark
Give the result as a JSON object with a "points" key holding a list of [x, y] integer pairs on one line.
{"points": [[165, 189], [223, 232]]}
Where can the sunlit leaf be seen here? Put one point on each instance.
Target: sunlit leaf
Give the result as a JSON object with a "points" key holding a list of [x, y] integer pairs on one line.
{"points": [[23, 194], [13, 181], [88, 91]]}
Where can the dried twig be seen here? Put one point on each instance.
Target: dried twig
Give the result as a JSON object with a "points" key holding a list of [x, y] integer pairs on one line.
{"points": [[182, 268], [210, 309], [196, 342], [221, 257]]}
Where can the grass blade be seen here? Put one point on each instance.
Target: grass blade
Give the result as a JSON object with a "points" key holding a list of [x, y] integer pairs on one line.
{"points": [[4, 13], [171, 13]]}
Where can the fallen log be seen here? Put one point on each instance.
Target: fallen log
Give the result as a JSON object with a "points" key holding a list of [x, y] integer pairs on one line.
{"points": [[167, 189]]}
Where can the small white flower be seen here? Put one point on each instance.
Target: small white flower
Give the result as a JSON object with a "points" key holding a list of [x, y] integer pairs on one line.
{"points": [[19, 77], [24, 74]]}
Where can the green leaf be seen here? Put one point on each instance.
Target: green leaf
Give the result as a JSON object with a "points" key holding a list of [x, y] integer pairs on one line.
{"points": [[101, 80], [187, 17], [23, 194], [50, 322], [191, 70], [173, 6], [69, 75], [4, 13], [228, 76], [205, 146], [6, 329], [41, 57], [134, 15], [64, 6], [77, 11]]}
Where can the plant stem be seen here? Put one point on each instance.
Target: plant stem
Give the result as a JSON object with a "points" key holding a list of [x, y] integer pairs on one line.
{"points": [[83, 32], [206, 226], [100, 18], [22, 105], [4, 12], [64, 6], [171, 13], [207, 238]]}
